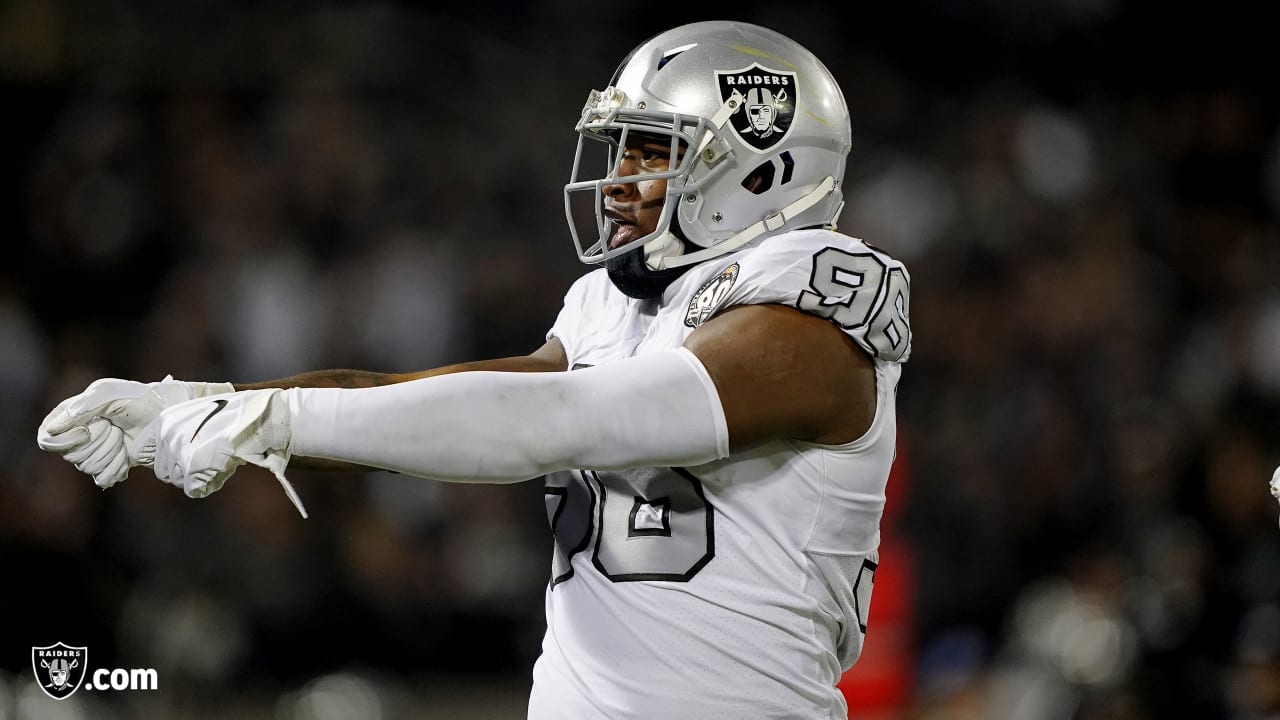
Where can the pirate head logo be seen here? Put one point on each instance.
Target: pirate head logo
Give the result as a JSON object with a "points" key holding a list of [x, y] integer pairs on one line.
{"points": [[59, 669], [763, 116]]}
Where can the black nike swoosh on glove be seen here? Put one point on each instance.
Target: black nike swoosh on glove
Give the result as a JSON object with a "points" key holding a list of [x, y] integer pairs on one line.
{"points": [[221, 404]]}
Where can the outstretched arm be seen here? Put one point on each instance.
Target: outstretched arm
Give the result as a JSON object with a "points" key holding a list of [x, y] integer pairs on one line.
{"points": [[94, 430], [548, 358], [747, 377]]}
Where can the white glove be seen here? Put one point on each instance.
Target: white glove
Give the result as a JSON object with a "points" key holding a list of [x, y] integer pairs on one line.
{"points": [[197, 445], [94, 429], [96, 449]]}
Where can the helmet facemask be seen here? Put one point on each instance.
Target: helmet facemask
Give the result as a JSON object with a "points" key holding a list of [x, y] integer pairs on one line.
{"points": [[606, 130]]}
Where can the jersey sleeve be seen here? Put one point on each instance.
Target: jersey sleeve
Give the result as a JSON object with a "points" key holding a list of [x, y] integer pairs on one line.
{"points": [[567, 327], [861, 289]]}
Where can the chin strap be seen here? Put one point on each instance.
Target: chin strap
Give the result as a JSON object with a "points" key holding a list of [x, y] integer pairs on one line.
{"points": [[656, 250], [662, 249]]}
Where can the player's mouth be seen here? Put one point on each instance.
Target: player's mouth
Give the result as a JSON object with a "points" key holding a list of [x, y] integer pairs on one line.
{"points": [[624, 229], [623, 233]]}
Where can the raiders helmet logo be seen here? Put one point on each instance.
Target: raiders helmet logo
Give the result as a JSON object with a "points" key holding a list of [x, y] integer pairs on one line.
{"points": [[768, 104], [59, 669]]}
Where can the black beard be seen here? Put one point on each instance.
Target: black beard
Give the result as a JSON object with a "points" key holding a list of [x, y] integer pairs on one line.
{"points": [[634, 279]]}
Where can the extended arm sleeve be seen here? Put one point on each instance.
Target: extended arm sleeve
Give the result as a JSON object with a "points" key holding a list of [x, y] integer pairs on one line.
{"points": [[660, 409]]}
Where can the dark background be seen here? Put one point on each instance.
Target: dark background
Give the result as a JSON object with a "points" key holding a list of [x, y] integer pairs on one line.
{"points": [[1085, 192]]}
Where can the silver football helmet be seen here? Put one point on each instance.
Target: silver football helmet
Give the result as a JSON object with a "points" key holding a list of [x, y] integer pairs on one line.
{"points": [[758, 131]]}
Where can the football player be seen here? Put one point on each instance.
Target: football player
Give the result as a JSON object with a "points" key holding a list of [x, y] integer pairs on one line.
{"points": [[712, 411]]}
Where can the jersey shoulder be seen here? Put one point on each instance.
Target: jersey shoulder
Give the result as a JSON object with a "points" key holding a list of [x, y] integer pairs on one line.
{"points": [[589, 303], [592, 288], [862, 289]]}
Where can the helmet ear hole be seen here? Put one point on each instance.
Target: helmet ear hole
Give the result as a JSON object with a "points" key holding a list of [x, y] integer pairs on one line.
{"points": [[761, 179]]}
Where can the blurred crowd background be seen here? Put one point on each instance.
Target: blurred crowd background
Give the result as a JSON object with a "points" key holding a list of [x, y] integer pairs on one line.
{"points": [[1085, 191]]}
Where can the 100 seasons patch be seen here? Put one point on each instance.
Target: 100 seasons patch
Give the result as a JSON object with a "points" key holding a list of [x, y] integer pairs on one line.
{"points": [[708, 297]]}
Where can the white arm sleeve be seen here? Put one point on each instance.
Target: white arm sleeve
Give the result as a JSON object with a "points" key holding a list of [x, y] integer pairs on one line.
{"points": [[660, 409]]}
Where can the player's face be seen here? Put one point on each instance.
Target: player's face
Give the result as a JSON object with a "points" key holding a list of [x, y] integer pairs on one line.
{"points": [[761, 117], [635, 207]]}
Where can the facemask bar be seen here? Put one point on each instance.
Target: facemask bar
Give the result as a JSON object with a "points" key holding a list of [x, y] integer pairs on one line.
{"points": [[604, 121]]}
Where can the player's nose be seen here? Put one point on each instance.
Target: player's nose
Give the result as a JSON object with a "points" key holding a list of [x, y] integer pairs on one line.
{"points": [[623, 168], [616, 190]]}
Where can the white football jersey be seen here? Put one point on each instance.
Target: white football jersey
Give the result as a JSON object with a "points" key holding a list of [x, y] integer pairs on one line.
{"points": [[738, 588]]}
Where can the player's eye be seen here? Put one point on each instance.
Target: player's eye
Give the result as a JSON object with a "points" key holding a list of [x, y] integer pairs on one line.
{"points": [[647, 157]]}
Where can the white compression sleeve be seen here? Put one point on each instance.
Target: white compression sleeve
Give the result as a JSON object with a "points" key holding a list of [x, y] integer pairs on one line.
{"points": [[660, 409]]}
